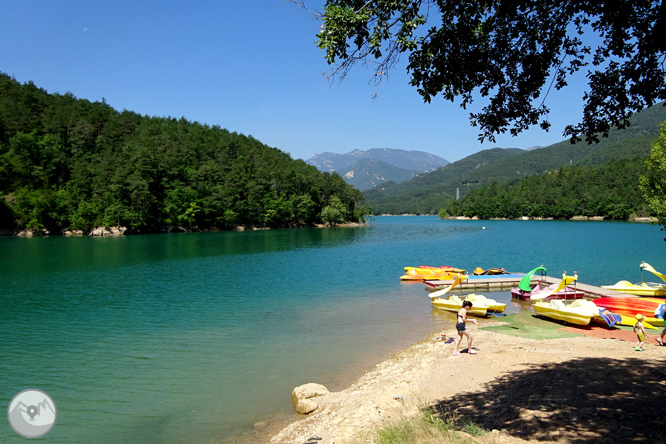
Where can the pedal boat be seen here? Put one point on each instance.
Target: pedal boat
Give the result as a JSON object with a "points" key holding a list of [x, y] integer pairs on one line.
{"points": [[565, 293], [479, 300], [480, 304], [578, 312], [425, 272], [454, 304], [642, 288]]}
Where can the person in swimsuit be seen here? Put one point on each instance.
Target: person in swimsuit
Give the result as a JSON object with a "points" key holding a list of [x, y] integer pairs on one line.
{"points": [[639, 329], [460, 326]]}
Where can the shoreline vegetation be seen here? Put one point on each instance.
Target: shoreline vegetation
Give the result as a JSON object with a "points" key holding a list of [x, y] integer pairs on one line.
{"points": [[583, 218], [68, 164], [584, 385], [122, 231]]}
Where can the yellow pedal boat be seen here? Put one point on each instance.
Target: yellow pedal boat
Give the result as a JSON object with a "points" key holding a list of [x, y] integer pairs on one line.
{"points": [[480, 304], [579, 312], [430, 273], [454, 303], [479, 300], [642, 288]]}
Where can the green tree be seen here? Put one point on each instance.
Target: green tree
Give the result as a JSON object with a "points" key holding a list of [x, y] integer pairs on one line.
{"points": [[71, 163], [333, 213], [190, 215], [504, 51], [653, 183]]}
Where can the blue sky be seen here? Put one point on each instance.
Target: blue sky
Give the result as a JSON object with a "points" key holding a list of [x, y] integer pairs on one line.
{"points": [[248, 66]]}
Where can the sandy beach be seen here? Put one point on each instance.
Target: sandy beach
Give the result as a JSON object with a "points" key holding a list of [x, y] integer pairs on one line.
{"points": [[588, 386]]}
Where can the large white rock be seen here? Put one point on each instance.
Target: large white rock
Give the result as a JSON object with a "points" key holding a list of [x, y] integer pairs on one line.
{"points": [[306, 406], [309, 390], [303, 394]]}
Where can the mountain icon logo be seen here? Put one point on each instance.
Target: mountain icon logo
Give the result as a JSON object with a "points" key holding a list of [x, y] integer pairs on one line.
{"points": [[32, 413]]}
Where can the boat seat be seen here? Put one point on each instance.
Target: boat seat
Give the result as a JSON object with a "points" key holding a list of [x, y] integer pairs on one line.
{"points": [[555, 303]]}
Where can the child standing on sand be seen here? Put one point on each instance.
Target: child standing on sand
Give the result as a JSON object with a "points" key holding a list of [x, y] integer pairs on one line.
{"points": [[460, 326], [639, 329]]}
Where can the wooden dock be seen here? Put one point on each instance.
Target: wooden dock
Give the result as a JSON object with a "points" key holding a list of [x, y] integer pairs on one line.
{"points": [[499, 283]]}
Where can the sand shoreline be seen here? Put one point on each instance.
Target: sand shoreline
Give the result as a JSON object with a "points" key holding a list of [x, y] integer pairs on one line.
{"points": [[427, 374]]}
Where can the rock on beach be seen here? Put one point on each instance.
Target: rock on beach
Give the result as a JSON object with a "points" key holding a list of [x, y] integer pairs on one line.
{"points": [[303, 394]]}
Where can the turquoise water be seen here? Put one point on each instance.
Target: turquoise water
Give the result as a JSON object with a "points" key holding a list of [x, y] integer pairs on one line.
{"points": [[195, 337]]}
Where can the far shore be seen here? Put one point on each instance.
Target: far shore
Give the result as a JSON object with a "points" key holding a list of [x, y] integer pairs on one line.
{"points": [[122, 231], [589, 387], [582, 218]]}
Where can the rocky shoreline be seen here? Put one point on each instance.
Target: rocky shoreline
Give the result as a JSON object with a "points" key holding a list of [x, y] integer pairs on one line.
{"points": [[587, 218], [122, 231], [521, 390]]}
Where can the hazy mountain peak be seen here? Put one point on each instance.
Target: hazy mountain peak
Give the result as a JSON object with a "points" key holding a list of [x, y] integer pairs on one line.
{"points": [[366, 169]]}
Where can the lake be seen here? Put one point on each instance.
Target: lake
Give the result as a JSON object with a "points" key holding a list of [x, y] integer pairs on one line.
{"points": [[195, 337]]}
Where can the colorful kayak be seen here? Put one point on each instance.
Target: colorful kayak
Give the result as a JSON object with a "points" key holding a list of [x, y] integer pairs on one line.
{"points": [[630, 307], [578, 312]]}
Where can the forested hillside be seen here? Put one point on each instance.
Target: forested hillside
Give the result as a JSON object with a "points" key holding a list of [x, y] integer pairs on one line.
{"points": [[610, 191], [68, 163], [428, 193], [424, 193]]}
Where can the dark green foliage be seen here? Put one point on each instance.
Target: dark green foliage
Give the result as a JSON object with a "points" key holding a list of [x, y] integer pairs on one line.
{"points": [[610, 190], [653, 182], [510, 54], [430, 192], [69, 163]]}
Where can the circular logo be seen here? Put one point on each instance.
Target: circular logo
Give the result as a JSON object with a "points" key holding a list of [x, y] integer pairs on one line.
{"points": [[32, 413]]}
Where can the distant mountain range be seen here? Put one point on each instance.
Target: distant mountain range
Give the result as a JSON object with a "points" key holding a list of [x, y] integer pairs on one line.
{"points": [[366, 169], [428, 193]]}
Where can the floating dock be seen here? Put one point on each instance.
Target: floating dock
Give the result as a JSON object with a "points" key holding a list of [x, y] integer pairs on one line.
{"points": [[504, 282]]}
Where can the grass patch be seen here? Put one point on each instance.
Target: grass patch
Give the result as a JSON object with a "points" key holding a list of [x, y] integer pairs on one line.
{"points": [[428, 428], [469, 427], [526, 324]]}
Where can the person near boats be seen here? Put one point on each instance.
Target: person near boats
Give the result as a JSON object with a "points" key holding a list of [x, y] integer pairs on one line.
{"points": [[639, 329], [460, 326], [659, 314]]}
